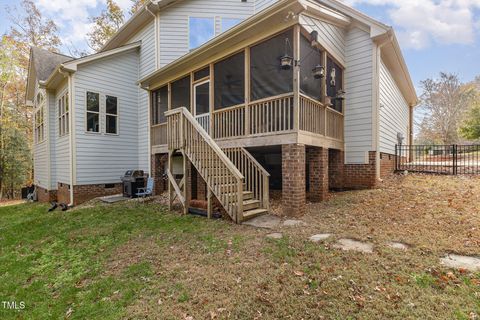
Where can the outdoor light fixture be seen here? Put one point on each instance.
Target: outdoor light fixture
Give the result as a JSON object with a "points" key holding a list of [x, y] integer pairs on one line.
{"points": [[340, 95], [318, 72], [314, 36], [286, 61]]}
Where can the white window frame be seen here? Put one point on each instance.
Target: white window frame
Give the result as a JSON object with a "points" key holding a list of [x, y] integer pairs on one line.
{"points": [[39, 125], [94, 112], [63, 115], [111, 115]]}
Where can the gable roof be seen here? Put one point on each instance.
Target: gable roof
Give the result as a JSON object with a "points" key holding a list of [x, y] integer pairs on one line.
{"points": [[45, 62], [42, 64]]}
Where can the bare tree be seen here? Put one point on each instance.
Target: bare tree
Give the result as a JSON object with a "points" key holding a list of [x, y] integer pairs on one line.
{"points": [[443, 103]]}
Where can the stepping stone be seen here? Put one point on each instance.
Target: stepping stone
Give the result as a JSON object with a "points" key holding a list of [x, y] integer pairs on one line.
{"points": [[275, 235], [267, 221], [398, 245], [293, 223], [457, 261], [320, 237], [350, 244]]}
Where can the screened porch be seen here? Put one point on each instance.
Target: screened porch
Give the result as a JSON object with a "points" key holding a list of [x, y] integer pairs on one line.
{"points": [[285, 87]]}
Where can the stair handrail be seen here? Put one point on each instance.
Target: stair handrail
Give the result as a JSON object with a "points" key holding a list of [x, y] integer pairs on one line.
{"points": [[179, 142], [262, 193]]}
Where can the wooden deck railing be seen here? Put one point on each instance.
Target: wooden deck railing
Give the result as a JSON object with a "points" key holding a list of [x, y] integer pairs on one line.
{"points": [[204, 121], [229, 122], [159, 134], [267, 116], [256, 177], [220, 174], [317, 118]]}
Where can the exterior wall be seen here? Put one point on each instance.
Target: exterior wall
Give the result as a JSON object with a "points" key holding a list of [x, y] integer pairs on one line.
{"points": [[173, 23], [61, 158], [394, 112], [263, 4], [104, 158], [40, 150], [146, 65], [336, 169], [330, 37], [359, 96], [63, 193]]}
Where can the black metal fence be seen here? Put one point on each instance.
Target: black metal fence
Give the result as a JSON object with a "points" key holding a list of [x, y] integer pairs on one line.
{"points": [[438, 159]]}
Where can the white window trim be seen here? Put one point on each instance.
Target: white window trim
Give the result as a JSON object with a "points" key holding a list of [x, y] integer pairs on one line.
{"points": [[99, 113], [113, 115], [39, 129], [63, 115]]}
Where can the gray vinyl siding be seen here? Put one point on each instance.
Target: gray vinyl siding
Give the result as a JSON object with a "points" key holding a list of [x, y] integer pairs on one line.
{"points": [[394, 112], [62, 148], [262, 4], [330, 37], [359, 101], [173, 23], [52, 139], [146, 66], [40, 152], [103, 158]]}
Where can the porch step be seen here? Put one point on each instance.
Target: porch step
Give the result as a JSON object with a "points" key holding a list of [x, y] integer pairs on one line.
{"points": [[247, 195], [251, 204], [250, 214]]}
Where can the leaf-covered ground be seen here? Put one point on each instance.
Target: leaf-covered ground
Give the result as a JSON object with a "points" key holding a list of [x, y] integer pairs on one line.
{"points": [[138, 261]]}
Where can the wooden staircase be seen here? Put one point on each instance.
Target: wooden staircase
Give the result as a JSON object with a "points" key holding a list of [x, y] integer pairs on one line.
{"points": [[232, 175]]}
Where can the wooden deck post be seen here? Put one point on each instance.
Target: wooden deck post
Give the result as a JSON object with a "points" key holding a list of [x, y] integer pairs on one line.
{"points": [[186, 183], [296, 77], [209, 203], [247, 91], [170, 187]]}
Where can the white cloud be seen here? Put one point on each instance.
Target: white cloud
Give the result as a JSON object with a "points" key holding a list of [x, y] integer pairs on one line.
{"points": [[419, 23]]}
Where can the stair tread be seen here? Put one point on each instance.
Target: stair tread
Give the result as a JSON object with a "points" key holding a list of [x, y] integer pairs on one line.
{"points": [[249, 201], [249, 214]]}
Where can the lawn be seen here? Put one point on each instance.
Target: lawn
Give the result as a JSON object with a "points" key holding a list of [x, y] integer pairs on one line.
{"points": [[135, 260]]}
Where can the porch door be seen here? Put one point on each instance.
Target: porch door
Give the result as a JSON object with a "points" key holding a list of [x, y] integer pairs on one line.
{"points": [[201, 102]]}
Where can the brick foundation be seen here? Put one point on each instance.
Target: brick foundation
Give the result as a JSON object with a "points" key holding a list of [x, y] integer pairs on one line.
{"points": [[361, 176], [317, 159], [159, 162], [45, 196], [293, 179], [84, 193], [387, 164]]}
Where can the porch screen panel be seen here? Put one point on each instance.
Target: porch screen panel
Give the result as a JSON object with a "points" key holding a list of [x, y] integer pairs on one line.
{"points": [[267, 78], [229, 84], [180, 94], [310, 57], [334, 82], [160, 105]]}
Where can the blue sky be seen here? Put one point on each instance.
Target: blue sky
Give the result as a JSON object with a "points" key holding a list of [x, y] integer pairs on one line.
{"points": [[435, 35]]}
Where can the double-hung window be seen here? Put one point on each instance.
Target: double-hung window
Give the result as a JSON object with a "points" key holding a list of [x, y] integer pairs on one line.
{"points": [[63, 115], [111, 115], [93, 112], [39, 125]]}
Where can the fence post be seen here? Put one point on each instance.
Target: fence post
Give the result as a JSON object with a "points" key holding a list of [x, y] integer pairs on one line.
{"points": [[396, 157], [455, 159]]}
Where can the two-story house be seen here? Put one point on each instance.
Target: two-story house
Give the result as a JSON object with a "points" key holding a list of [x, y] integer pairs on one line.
{"points": [[229, 100]]}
